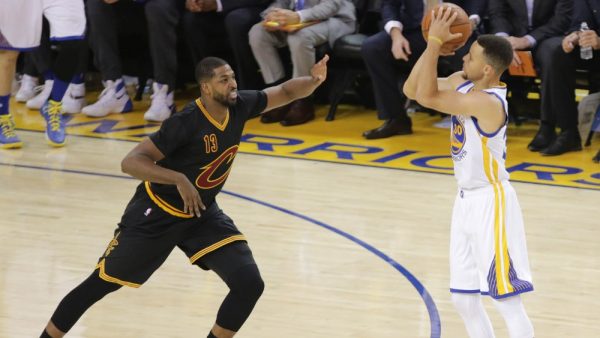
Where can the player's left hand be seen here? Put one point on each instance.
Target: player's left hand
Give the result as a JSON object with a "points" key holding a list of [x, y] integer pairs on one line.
{"points": [[441, 22], [319, 70]]}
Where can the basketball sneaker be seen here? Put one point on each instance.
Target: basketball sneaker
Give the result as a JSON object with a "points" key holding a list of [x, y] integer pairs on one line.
{"points": [[74, 98], [113, 99], [38, 101], [27, 89], [55, 125], [8, 137], [162, 103]]}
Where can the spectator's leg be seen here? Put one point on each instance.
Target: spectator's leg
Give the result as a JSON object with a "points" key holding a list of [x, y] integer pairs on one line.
{"points": [[237, 24], [103, 38], [264, 48], [163, 17], [388, 76], [558, 98]]}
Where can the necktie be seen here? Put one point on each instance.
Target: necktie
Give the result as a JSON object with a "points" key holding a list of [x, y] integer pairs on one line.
{"points": [[299, 5]]}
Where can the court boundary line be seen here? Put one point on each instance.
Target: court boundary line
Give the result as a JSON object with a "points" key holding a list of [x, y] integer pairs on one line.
{"points": [[434, 317], [325, 161]]}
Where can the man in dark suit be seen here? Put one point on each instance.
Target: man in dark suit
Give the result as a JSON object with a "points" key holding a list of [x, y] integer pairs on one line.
{"points": [[528, 24], [390, 56], [213, 26], [558, 89]]}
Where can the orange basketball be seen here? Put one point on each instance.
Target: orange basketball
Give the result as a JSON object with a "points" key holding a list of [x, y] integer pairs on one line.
{"points": [[460, 25]]}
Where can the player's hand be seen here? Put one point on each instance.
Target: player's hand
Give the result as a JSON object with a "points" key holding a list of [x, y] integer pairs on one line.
{"points": [[319, 70], [440, 24], [589, 38], [400, 46], [192, 203], [570, 41]]}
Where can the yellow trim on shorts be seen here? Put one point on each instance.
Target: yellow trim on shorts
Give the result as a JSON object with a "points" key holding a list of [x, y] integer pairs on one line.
{"points": [[216, 246], [164, 205], [104, 276], [490, 166]]}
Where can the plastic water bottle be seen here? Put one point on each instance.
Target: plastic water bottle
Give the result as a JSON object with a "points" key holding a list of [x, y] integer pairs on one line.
{"points": [[585, 53]]}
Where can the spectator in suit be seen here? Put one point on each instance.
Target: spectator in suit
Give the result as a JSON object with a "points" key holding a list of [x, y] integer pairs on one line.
{"points": [[334, 19], [389, 56], [559, 108], [212, 26], [528, 24], [162, 18]]}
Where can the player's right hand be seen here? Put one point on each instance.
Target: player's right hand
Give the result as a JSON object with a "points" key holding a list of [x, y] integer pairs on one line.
{"points": [[192, 203]]}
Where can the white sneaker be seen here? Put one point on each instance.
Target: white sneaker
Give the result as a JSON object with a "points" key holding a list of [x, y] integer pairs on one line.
{"points": [[27, 89], [38, 101], [111, 100], [74, 98], [162, 103]]}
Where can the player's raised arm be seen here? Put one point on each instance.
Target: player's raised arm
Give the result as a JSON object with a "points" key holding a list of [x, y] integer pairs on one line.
{"points": [[298, 87]]}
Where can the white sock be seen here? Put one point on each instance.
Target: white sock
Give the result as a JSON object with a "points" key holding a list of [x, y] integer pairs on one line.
{"points": [[517, 321], [471, 309]]}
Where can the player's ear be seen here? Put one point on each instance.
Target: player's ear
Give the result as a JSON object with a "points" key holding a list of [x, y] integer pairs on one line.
{"points": [[488, 70]]}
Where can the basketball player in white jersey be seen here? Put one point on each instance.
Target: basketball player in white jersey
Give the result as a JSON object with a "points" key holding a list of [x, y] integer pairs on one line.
{"points": [[488, 254], [20, 30]]}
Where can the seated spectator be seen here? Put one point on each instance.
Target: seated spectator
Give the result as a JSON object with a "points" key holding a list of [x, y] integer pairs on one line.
{"points": [[559, 108], [389, 56], [528, 24], [162, 17], [212, 26], [333, 19]]}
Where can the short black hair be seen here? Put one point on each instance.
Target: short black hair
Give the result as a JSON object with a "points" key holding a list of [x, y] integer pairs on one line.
{"points": [[497, 51], [205, 69]]}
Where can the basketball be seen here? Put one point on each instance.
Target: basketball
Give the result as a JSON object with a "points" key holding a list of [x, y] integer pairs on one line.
{"points": [[462, 24]]}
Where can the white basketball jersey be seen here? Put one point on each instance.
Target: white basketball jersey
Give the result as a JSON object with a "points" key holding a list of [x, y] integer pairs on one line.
{"points": [[478, 157]]}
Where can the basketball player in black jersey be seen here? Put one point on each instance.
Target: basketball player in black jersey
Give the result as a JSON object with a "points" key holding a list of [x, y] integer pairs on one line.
{"points": [[183, 166]]}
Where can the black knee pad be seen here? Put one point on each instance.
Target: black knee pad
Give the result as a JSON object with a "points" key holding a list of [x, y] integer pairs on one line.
{"points": [[247, 283]]}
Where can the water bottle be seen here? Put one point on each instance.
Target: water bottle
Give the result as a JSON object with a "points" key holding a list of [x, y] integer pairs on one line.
{"points": [[585, 53]]}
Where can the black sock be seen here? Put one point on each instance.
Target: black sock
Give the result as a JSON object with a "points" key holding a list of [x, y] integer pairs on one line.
{"points": [[45, 335], [211, 335]]}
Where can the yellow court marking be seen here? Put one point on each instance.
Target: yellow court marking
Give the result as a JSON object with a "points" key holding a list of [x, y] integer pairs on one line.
{"points": [[340, 141]]}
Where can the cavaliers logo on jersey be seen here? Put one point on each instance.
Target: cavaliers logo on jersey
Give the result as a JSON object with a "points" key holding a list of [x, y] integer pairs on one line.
{"points": [[206, 179], [459, 136]]}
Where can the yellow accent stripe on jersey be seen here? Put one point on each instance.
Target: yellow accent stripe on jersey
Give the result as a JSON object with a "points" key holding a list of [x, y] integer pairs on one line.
{"points": [[215, 246], [164, 205], [490, 166], [104, 276], [220, 126]]}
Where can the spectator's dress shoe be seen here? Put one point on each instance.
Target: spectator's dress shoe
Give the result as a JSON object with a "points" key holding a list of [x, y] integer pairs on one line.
{"points": [[388, 128], [542, 140], [275, 115], [565, 142], [301, 112]]}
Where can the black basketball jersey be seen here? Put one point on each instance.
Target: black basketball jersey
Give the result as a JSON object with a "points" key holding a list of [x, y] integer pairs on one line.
{"points": [[202, 149]]}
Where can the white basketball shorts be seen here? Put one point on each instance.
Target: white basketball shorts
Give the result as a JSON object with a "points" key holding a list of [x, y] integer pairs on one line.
{"points": [[21, 22], [488, 251]]}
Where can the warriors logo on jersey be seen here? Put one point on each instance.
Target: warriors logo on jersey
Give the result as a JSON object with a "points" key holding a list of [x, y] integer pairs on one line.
{"points": [[458, 137]]}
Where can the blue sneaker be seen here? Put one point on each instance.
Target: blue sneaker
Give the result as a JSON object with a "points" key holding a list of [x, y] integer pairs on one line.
{"points": [[55, 125], [8, 137]]}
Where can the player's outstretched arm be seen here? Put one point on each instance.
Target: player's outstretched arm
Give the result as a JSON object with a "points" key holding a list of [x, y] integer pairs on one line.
{"points": [[298, 87], [141, 163]]}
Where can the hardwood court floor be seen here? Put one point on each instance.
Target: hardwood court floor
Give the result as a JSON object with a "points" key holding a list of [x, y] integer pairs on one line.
{"points": [[58, 209]]}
